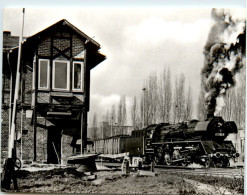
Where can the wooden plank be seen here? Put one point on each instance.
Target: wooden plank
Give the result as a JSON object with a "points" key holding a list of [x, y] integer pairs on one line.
{"points": [[61, 94], [60, 113]]}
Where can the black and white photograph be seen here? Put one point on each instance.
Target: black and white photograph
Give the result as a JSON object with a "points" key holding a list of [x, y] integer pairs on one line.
{"points": [[123, 100]]}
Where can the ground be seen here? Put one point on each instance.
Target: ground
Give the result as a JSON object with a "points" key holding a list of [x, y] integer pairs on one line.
{"points": [[36, 179]]}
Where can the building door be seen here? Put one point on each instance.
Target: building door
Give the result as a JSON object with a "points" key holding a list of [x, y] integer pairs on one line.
{"points": [[54, 145]]}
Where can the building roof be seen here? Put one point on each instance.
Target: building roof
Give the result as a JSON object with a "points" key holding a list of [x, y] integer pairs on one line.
{"points": [[12, 42], [9, 41], [64, 22]]}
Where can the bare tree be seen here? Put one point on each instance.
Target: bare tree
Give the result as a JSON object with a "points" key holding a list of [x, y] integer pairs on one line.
{"points": [[179, 99], [106, 116], [150, 100], [175, 100], [134, 113], [188, 104], [240, 103], [165, 96], [119, 116], [168, 95], [95, 127], [113, 120], [162, 97], [230, 106], [122, 114], [201, 108]]}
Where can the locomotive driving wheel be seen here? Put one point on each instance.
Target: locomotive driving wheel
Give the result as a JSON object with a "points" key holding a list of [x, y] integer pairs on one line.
{"points": [[168, 159]]}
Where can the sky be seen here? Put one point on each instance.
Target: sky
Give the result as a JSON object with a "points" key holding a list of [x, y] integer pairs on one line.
{"points": [[136, 42]]}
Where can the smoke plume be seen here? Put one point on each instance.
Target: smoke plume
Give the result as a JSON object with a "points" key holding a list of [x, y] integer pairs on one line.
{"points": [[224, 56]]}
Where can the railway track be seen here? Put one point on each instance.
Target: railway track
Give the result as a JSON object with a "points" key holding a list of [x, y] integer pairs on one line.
{"points": [[215, 172], [178, 170]]}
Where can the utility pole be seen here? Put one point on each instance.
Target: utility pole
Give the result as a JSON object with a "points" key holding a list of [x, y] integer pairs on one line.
{"points": [[111, 126], [143, 110], [9, 166]]}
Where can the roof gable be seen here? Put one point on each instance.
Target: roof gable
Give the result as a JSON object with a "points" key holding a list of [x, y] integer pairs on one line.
{"points": [[64, 23]]}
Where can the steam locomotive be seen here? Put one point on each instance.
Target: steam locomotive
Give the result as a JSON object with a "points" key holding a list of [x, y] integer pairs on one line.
{"points": [[201, 142]]}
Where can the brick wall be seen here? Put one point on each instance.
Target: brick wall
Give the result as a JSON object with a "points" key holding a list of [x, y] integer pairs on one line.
{"points": [[28, 87], [5, 86], [44, 47], [6, 97], [27, 138], [61, 44], [77, 44], [4, 133], [41, 141], [66, 150]]}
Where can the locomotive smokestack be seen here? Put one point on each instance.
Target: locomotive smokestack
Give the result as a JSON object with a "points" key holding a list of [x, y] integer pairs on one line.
{"points": [[224, 56]]}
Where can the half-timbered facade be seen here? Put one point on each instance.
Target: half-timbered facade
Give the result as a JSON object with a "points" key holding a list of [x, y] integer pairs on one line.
{"points": [[54, 91]]}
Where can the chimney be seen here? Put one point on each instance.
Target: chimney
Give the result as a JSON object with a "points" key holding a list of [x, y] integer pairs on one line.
{"points": [[7, 33]]}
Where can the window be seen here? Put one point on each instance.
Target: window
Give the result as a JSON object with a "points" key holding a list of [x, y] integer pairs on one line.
{"points": [[77, 76], [60, 74], [43, 80]]}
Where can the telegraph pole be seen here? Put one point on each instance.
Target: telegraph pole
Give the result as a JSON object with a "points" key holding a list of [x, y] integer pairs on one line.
{"points": [[143, 110], [111, 126]]}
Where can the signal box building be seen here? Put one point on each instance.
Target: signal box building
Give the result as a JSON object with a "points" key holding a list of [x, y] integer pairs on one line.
{"points": [[54, 91]]}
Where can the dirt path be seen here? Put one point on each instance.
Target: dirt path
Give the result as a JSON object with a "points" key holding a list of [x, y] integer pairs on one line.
{"points": [[108, 181]]}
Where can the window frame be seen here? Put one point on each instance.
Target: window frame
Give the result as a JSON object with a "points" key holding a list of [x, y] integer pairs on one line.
{"points": [[68, 75], [73, 73], [48, 74]]}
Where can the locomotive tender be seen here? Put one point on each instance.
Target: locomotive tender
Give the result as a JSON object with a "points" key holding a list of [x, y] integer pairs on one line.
{"points": [[194, 141]]}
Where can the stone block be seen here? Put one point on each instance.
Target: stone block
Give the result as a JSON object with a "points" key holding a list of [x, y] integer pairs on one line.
{"points": [[145, 173]]}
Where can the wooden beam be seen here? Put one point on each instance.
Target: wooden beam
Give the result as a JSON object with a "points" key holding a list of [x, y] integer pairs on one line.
{"points": [[59, 113], [61, 52], [83, 130], [34, 108], [51, 68], [61, 94]]}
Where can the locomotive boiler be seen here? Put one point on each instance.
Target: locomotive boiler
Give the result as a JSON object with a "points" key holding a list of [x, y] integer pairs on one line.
{"points": [[191, 142]]}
